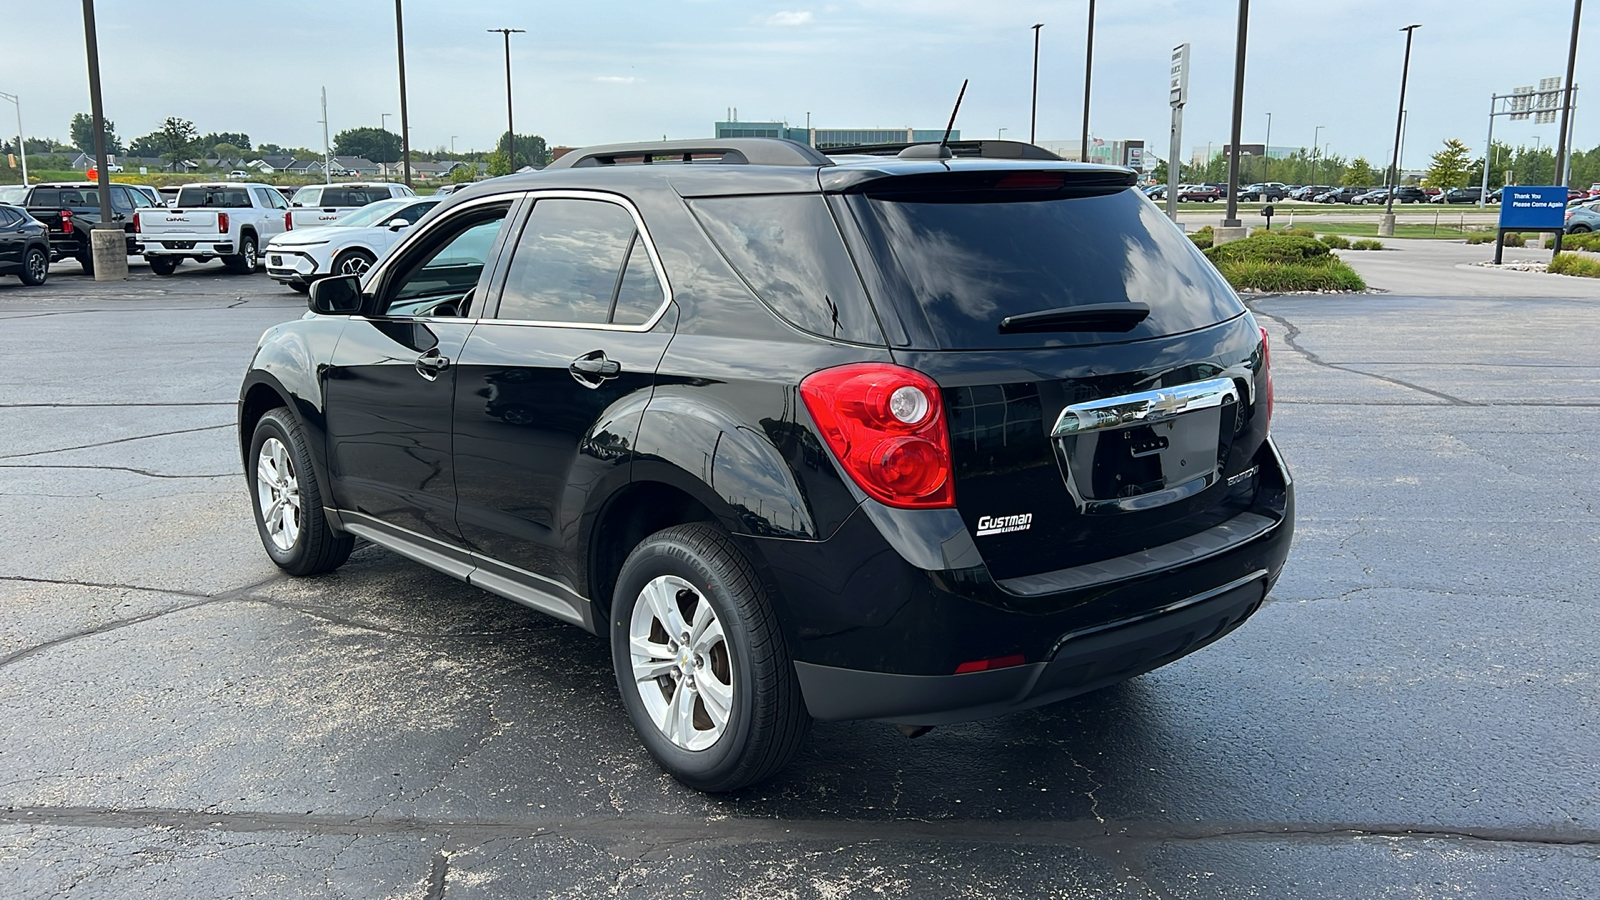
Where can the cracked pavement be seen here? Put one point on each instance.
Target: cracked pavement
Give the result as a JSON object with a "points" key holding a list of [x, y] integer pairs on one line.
{"points": [[1413, 712]]}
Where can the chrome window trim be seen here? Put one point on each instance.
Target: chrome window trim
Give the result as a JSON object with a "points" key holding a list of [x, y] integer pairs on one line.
{"points": [[649, 244], [1144, 407], [420, 232]]}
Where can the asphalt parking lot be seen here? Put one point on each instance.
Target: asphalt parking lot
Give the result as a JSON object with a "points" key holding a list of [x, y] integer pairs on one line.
{"points": [[1415, 712]]}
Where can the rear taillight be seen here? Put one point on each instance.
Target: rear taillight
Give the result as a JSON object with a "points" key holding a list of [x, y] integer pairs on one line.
{"points": [[222, 223], [136, 223], [1266, 369], [288, 222], [885, 424], [66, 221]]}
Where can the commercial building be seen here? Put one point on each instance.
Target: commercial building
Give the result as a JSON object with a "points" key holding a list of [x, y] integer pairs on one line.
{"points": [[1198, 156], [823, 138], [1126, 152]]}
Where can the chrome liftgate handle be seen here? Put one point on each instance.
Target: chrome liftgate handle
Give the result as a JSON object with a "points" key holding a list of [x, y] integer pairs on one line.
{"points": [[1145, 407]]}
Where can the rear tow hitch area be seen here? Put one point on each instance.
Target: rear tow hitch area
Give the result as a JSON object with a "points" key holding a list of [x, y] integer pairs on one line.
{"points": [[914, 731]]}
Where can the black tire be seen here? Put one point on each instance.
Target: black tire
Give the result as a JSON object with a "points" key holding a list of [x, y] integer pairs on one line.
{"points": [[35, 267], [354, 261], [163, 265], [768, 720], [247, 260], [86, 259], [316, 547], [1580, 229], [299, 287]]}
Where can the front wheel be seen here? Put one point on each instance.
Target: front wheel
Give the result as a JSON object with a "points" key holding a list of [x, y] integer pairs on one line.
{"points": [[288, 501], [354, 261], [247, 260], [162, 265], [35, 267], [701, 662]]}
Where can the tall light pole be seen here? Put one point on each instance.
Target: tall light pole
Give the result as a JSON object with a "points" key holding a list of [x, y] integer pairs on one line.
{"points": [[22, 144], [1266, 152], [106, 241], [511, 128], [405, 123], [453, 144], [1386, 223], [1566, 102], [1314, 136], [1033, 116], [383, 126], [1088, 73], [1232, 219]]}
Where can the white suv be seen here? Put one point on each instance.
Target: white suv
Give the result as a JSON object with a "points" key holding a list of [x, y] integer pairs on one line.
{"points": [[347, 247]]}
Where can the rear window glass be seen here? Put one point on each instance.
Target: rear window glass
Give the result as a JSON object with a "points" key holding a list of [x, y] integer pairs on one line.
{"points": [[965, 262], [224, 198], [789, 251]]}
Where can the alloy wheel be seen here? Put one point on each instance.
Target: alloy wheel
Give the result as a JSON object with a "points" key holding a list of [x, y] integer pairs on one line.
{"points": [[278, 494], [38, 265], [681, 664], [356, 264]]}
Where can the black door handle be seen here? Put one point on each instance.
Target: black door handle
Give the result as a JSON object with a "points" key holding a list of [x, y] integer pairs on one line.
{"points": [[430, 364]]}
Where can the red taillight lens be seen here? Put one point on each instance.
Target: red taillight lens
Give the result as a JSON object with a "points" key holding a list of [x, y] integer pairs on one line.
{"points": [[136, 223], [66, 221], [984, 665], [222, 223], [288, 222], [885, 425], [1266, 368]]}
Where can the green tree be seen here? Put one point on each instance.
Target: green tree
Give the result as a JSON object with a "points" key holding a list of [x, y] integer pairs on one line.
{"points": [[1358, 174], [375, 144], [531, 149], [83, 134], [1449, 166], [464, 173], [177, 139], [237, 138], [499, 164], [225, 150]]}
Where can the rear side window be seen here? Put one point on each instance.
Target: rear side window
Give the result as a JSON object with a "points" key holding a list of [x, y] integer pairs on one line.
{"points": [[223, 198], [308, 196], [580, 261], [789, 251], [965, 262]]}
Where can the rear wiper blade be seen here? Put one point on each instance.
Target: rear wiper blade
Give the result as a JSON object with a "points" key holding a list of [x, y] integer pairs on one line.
{"points": [[1091, 317]]}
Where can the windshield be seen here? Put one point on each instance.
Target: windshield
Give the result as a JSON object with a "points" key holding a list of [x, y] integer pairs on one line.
{"points": [[372, 213], [13, 193], [964, 265]]}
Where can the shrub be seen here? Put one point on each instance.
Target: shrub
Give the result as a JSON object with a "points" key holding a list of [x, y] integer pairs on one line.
{"points": [[1589, 241], [1573, 264], [1302, 232], [1263, 275], [1282, 248], [1367, 244], [1203, 238], [1514, 239], [1335, 241], [1481, 237]]}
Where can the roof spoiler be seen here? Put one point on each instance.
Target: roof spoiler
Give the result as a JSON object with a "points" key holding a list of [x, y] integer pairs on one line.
{"points": [[970, 149], [728, 151]]}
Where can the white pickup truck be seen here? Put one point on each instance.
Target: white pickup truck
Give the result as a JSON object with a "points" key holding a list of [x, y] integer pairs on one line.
{"points": [[324, 204], [227, 221]]}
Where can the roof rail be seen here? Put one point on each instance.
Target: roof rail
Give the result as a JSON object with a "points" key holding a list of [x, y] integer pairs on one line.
{"points": [[980, 149], [728, 151]]}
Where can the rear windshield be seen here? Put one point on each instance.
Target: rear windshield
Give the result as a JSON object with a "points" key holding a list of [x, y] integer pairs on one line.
{"points": [[224, 198], [963, 262]]}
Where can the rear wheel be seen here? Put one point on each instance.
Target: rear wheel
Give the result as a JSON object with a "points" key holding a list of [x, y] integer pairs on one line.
{"points": [[1580, 229], [288, 501], [246, 260], [35, 266], [162, 265], [354, 261], [86, 259], [701, 663]]}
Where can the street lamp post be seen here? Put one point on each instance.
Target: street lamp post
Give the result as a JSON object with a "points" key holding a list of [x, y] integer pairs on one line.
{"points": [[1033, 116], [999, 133], [22, 144], [1386, 223], [405, 123], [1315, 135], [1566, 103], [1232, 219], [1266, 152], [453, 144], [1088, 72], [511, 129], [383, 126], [107, 247]]}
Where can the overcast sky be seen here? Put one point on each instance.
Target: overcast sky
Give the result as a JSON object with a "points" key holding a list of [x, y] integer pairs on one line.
{"points": [[625, 70]]}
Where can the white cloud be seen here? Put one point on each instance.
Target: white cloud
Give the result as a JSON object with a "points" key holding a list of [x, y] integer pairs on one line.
{"points": [[785, 19], [628, 79]]}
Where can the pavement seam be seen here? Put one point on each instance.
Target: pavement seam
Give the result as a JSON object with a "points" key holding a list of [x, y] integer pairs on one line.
{"points": [[136, 471], [1291, 337], [139, 437]]}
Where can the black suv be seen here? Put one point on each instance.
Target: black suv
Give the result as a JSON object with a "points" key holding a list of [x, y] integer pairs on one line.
{"points": [[901, 437]]}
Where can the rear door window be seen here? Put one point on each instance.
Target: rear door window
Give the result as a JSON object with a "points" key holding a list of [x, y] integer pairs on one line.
{"points": [[788, 250], [963, 262], [581, 262]]}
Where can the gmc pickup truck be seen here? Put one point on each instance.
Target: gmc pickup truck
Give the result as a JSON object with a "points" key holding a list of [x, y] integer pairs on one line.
{"points": [[227, 221], [325, 204], [70, 209]]}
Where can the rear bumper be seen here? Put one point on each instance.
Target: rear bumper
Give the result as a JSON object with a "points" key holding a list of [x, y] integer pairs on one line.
{"points": [[186, 246], [881, 616]]}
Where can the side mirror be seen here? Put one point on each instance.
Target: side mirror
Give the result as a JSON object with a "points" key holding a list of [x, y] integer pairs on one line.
{"points": [[399, 226], [337, 296]]}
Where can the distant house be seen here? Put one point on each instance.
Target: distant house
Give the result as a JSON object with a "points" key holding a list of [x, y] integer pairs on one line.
{"points": [[353, 165], [437, 169], [268, 165]]}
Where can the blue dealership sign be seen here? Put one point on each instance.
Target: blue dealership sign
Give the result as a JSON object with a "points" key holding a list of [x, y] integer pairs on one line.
{"points": [[1533, 207]]}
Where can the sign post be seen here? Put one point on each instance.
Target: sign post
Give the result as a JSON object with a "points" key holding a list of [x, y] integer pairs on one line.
{"points": [[1542, 208], [1179, 95]]}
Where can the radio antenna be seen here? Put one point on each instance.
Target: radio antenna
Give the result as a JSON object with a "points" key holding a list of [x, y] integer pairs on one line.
{"points": [[945, 141]]}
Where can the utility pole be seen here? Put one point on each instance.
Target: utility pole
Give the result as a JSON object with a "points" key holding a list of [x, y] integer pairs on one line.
{"points": [[1033, 117], [383, 126], [1232, 219], [511, 128], [107, 241], [1266, 152], [1315, 136], [22, 143], [1386, 222], [1566, 102], [405, 123], [1088, 72], [327, 160]]}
